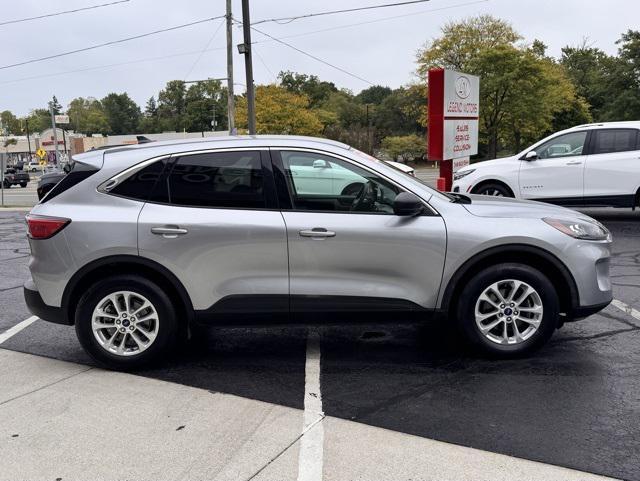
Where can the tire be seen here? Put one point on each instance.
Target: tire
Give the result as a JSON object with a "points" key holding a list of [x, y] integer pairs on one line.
{"points": [[23, 184], [493, 189], [159, 328], [7, 185], [541, 304]]}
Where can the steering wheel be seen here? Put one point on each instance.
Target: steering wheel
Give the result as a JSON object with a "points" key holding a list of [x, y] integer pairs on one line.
{"points": [[366, 199]]}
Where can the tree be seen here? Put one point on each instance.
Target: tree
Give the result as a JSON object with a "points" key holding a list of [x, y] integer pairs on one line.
{"points": [[316, 90], [407, 147], [87, 116], [202, 99], [57, 108], [10, 122], [39, 120], [279, 111], [123, 114], [374, 94], [149, 120], [514, 79], [171, 106], [462, 42]]}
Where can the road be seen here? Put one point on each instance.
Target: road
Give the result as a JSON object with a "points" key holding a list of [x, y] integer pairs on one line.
{"points": [[365, 402], [22, 197]]}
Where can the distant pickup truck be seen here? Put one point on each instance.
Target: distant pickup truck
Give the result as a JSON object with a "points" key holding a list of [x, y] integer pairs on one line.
{"points": [[14, 177]]}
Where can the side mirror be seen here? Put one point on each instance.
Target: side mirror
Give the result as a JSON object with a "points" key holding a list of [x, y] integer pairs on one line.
{"points": [[67, 168], [531, 155], [320, 164], [407, 204]]}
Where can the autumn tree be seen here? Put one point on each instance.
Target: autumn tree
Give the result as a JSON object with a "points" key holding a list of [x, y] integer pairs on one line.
{"points": [[279, 111]]}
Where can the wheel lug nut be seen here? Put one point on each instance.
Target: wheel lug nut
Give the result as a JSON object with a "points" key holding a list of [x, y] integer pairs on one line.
{"points": [[512, 304], [122, 329], [501, 306], [508, 319], [132, 327], [500, 314], [117, 321]]}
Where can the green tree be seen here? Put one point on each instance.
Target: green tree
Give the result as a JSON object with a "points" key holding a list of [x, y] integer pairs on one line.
{"points": [[315, 89], [10, 122], [406, 147], [39, 120], [462, 42], [87, 116], [57, 108], [149, 120], [171, 106], [279, 111], [123, 114], [514, 79], [202, 100], [373, 95]]}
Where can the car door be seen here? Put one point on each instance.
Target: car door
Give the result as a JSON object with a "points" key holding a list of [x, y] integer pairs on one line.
{"points": [[556, 173], [212, 221], [349, 252], [612, 174]]}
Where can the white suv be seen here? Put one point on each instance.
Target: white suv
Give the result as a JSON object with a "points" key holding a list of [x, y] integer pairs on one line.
{"points": [[589, 165]]}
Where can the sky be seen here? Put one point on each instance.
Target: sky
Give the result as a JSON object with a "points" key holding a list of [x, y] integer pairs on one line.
{"points": [[381, 50]]}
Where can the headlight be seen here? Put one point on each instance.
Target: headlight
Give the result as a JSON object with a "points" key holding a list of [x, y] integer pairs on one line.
{"points": [[459, 175], [580, 229]]}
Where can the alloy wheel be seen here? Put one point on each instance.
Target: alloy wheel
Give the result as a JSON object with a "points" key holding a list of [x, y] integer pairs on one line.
{"points": [[508, 312], [125, 323]]}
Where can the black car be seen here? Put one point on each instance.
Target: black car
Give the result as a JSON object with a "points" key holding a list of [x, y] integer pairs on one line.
{"points": [[15, 177], [48, 181]]}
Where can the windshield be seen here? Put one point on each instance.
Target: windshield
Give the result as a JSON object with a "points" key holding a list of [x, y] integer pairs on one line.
{"points": [[409, 178]]}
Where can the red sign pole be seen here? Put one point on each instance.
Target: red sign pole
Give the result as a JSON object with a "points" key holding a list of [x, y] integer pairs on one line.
{"points": [[435, 128]]}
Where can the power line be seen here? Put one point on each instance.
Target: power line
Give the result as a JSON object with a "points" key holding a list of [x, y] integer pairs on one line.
{"points": [[20, 20], [113, 42], [378, 20], [204, 49], [312, 56], [264, 64], [332, 12], [197, 52]]}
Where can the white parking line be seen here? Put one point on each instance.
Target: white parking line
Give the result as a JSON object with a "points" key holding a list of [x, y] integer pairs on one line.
{"points": [[626, 308], [17, 328], [311, 454]]}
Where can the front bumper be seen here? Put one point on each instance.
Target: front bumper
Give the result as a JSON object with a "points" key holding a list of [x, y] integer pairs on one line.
{"points": [[37, 307]]}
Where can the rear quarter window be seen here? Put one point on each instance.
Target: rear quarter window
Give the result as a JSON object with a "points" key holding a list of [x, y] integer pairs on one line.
{"points": [[78, 173]]}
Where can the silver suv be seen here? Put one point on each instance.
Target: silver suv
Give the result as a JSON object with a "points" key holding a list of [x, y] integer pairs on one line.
{"points": [[139, 243]]}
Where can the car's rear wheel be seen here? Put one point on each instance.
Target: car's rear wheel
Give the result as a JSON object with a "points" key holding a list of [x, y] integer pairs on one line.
{"points": [[493, 189], [508, 310], [23, 184], [125, 322]]}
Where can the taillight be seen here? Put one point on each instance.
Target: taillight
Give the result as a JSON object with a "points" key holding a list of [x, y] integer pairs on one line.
{"points": [[44, 227]]}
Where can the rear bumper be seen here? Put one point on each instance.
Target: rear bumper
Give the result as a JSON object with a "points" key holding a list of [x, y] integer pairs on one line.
{"points": [[37, 307]]}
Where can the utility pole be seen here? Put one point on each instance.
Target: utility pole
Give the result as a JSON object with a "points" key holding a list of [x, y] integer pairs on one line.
{"points": [[231, 107], [26, 121], [55, 131], [248, 65]]}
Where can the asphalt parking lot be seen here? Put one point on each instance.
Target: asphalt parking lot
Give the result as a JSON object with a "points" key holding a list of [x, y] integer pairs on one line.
{"points": [[575, 404]]}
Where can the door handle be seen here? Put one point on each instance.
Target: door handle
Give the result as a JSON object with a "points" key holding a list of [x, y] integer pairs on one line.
{"points": [[317, 232], [575, 162], [169, 231]]}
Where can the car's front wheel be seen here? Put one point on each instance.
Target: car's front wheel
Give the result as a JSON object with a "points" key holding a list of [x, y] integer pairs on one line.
{"points": [[125, 322], [493, 189], [508, 310]]}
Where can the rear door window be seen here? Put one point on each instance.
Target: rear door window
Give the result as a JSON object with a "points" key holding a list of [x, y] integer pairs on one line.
{"points": [[609, 141], [218, 179]]}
